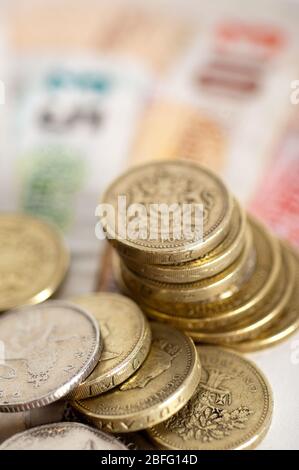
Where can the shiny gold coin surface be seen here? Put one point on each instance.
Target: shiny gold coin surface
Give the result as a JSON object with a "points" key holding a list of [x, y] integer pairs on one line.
{"points": [[285, 325], [171, 183], [231, 408], [218, 312], [33, 260], [127, 340], [154, 292], [265, 314], [162, 386], [208, 265]]}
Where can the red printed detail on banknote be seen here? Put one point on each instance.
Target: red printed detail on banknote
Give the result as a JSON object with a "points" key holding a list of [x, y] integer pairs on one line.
{"points": [[277, 200]]}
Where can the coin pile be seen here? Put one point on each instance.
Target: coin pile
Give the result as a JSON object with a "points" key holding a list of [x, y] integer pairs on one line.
{"points": [[233, 283]]}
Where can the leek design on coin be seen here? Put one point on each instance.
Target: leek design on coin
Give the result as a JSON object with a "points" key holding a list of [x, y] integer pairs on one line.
{"points": [[127, 340], [49, 349], [62, 436], [164, 383], [33, 260], [231, 408], [169, 183]]}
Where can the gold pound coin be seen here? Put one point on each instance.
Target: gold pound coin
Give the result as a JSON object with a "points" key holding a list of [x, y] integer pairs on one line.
{"points": [[127, 340], [33, 260], [217, 313], [154, 293], [285, 325], [162, 386], [211, 264], [172, 184], [265, 314], [231, 408]]}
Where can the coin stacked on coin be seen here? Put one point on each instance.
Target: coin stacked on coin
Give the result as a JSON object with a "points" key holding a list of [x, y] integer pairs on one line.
{"points": [[226, 281]]}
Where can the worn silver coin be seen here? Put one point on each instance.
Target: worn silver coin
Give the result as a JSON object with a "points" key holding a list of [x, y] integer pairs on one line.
{"points": [[62, 436], [48, 349]]}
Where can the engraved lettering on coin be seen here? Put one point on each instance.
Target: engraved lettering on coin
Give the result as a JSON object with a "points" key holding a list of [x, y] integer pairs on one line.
{"points": [[127, 339], [160, 360], [171, 372]]}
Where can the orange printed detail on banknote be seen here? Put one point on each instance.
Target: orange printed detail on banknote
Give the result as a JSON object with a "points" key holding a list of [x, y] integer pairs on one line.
{"points": [[172, 129]]}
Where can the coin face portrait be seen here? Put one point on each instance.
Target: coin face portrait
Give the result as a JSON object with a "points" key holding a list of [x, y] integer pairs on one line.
{"points": [[231, 408], [48, 350], [169, 375], [171, 184], [62, 436], [33, 260]]}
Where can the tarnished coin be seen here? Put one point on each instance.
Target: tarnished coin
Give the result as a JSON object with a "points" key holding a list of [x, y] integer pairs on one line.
{"points": [[285, 325], [266, 313], [171, 183], [154, 293], [62, 436], [208, 265], [33, 260], [126, 336], [231, 408], [219, 312], [162, 385], [48, 350]]}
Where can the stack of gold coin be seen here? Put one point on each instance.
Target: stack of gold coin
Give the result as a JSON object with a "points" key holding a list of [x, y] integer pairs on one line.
{"points": [[218, 275]]}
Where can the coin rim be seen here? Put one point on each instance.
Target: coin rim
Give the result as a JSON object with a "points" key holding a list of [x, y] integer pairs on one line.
{"points": [[117, 423], [123, 370], [188, 251], [189, 271], [71, 424], [66, 387], [257, 434], [62, 261]]}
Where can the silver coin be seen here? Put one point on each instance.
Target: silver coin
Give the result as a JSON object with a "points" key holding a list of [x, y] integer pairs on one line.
{"points": [[12, 423], [48, 350], [62, 436]]}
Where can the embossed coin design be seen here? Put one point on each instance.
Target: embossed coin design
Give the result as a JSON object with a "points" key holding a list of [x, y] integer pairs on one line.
{"points": [[126, 336], [163, 384], [285, 325], [33, 260], [62, 436], [208, 265], [170, 183], [231, 408], [49, 349]]}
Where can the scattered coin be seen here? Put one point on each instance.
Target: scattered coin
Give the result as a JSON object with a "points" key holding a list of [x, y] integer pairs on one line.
{"points": [[231, 408], [62, 436], [48, 350], [127, 340], [162, 385], [33, 260]]}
